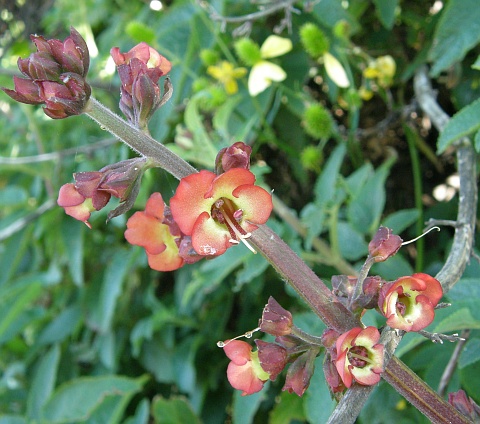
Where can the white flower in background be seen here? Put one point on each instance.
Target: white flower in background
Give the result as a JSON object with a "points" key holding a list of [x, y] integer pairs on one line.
{"points": [[264, 72], [335, 70]]}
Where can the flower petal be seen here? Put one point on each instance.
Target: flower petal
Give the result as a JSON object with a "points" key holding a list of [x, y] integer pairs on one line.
{"points": [[335, 70], [237, 351], [189, 200], [275, 46], [242, 377], [208, 237], [262, 75]]}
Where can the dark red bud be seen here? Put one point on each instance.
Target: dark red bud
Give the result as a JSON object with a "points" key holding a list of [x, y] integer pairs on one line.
{"points": [[273, 358], [276, 320], [235, 156], [384, 244]]}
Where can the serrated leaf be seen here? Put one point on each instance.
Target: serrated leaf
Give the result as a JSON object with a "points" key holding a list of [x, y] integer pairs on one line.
{"points": [[456, 33], [386, 11], [464, 122], [175, 410], [79, 398], [470, 353]]}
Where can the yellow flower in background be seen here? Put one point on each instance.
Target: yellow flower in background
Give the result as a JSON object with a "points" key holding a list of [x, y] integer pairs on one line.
{"points": [[264, 72], [227, 75], [382, 69]]}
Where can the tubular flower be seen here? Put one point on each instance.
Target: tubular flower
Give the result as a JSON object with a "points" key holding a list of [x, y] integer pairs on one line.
{"points": [[148, 230], [409, 302], [359, 356], [219, 211], [244, 372], [139, 71], [55, 76]]}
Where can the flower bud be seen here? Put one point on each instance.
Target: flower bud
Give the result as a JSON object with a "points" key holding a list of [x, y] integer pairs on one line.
{"points": [[465, 405], [300, 372], [139, 71], [276, 320], [384, 244], [273, 358], [235, 156], [55, 76]]}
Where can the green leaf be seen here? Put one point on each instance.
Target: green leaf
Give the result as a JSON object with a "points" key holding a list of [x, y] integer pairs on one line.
{"points": [[366, 208], [326, 185], [13, 195], [476, 141], [318, 401], [464, 122], [470, 353], [245, 407], [400, 220], [79, 398], [104, 303], [386, 11], [61, 326], [14, 300], [461, 319], [456, 33], [139, 32], [352, 243], [142, 413], [288, 408], [43, 382], [12, 419], [175, 410], [72, 233]]}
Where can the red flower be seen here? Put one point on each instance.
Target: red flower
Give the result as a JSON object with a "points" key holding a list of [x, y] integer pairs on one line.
{"points": [[139, 71], [244, 372], [409, 302], [55, 76], [75, 204], [159, 240], [219, 211], [359, 356]]}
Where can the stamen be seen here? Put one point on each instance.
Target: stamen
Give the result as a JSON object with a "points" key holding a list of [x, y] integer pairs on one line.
{"points": [[420, 236], [248, 335], [239, 235]]}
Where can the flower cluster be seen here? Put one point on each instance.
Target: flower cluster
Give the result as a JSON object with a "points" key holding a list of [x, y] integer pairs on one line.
{"points": [[211, 212], [250, 370], [139, 71], [55, 76], [93, 190]]}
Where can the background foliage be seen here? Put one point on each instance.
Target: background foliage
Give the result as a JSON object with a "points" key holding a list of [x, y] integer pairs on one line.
{"points": [[88, 333]]}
